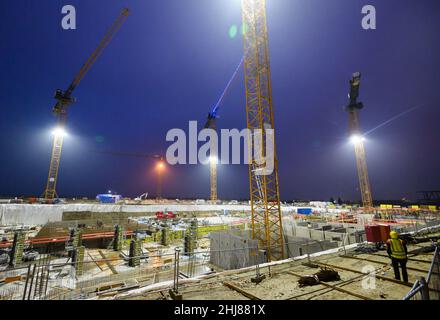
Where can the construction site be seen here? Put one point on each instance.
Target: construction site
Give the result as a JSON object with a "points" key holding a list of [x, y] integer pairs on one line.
{"points": [[263, 246]]}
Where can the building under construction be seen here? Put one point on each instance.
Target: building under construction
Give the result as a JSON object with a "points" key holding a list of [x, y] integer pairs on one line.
{"points": [[56, 247]]}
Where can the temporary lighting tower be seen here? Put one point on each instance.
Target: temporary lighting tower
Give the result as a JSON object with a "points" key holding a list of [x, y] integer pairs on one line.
{"points": [[65, 99], [264, 189], [358, 139]]}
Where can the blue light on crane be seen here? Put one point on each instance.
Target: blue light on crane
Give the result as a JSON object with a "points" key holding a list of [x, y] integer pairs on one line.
{"points": [[214, 113]]}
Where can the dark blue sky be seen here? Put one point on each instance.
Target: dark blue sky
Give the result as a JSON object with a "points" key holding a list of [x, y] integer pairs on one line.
{"points": [[171, 60]]}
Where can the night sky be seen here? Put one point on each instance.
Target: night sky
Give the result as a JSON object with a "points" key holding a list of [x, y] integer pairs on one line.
{"points": [[171, 60]]}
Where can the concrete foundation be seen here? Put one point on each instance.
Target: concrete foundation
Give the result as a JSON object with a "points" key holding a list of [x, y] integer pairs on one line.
{"points": [[234, 249]]}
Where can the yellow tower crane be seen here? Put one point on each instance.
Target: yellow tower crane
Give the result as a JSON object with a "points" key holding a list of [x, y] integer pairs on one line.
{"points": [[358, 140], [211, 123], [65, 99], [264, 189], [213, 178]]}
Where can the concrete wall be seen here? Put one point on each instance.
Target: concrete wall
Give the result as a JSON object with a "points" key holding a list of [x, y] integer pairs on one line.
{"points": [[317, 234], [324, 231], [299, 246], [33, 214], [302, 232], [234, 250]]}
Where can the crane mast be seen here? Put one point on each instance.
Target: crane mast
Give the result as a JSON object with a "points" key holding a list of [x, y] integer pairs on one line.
{"points": [[358, 141], [264, 189], [65, 99], [213, 178], [211, 123]]}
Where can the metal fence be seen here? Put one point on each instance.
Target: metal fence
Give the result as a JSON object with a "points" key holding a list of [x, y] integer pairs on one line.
{"points": [[55, 278], [39, 281], [47, 280], [429, 288]]}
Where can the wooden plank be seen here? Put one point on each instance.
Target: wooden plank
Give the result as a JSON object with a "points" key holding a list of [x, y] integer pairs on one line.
{"points": [[382, 262], [343, 283], [409, 284], [12, 279], [336, 288], [94, 261], [410, 259], [108, 262], [241, 291]]}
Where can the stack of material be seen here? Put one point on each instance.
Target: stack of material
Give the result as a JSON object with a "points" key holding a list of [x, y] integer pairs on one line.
{"points": [[366, 248], [324, 275]]}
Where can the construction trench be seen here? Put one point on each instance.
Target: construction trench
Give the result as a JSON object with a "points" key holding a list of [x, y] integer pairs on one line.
{"points": [[205, 254]]}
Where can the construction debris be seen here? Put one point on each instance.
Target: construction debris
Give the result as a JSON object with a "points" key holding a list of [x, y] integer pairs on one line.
{"points": [[324, 275], [366, 248]]}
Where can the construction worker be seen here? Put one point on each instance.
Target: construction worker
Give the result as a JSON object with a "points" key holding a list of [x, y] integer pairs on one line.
{"points": [[398, 253]]}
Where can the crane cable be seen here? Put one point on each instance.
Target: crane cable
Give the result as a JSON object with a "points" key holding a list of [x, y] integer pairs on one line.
{"points": [[217, 105]]}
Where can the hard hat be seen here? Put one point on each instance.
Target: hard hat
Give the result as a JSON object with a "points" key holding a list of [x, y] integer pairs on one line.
{"points": [[394, 235]]}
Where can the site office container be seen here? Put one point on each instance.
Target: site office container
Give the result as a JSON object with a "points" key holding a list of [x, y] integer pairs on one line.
{"points": [[108, 198], [384, 232], [373, 233], [305, 211]]}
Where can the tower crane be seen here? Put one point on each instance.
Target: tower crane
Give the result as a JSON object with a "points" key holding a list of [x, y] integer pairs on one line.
{"points": [[264, 189], [65, 99], [358, 140], [211, 123]]}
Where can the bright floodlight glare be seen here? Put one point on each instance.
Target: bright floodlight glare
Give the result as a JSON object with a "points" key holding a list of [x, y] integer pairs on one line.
{"points": [[213, 159], [59, 132], [160, 165], [356, 139]]}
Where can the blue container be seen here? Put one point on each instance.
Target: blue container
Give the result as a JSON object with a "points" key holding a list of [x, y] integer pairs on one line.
{"points": [[108, 198], [306, 211]]}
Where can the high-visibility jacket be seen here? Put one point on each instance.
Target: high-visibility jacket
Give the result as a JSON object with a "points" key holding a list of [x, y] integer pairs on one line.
{"points": [[397, 249]]}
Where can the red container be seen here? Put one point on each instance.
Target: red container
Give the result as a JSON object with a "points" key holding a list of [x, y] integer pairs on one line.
{"points": [[384, 232], [373, 233]]}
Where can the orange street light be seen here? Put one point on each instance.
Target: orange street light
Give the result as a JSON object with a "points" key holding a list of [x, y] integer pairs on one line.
{"points": [[160, 168]]}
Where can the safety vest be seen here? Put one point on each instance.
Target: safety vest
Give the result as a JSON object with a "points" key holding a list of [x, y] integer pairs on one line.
{"points": [[397, 249]]}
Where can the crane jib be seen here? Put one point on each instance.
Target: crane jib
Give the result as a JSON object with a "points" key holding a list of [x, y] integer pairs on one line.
{"points": [[65, 99]]}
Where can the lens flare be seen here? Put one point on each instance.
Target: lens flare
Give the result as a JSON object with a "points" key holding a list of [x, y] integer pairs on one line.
{"points": [[59, 132], [233, 31], [356, 139]]}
